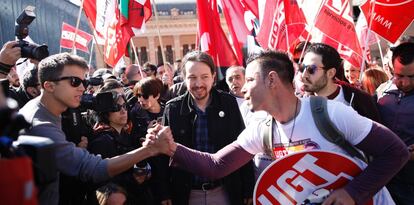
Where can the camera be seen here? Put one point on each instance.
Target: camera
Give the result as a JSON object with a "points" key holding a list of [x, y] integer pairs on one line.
{"points": [[73, 119], [28, 50], [13, 145]]}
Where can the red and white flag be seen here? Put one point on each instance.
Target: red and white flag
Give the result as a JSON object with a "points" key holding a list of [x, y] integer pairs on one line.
{"points": [[212, 37], [390, 18], [336, 23], [115, 23], [282, 26], [366, 37], [240, 20], [68, 36]]}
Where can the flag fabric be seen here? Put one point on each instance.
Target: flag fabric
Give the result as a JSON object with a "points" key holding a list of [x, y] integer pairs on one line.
{"points": [[283, 25], [389, 18], [212, 38], [336, 23], [240, 20], [117, 23], [345, 52], [68, 36], [365, 37], [99, 14]]}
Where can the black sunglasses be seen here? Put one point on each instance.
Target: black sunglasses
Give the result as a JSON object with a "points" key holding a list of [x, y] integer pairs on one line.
{"points": [[118, 107], [74, 81], [310, 68], [143, 95]]}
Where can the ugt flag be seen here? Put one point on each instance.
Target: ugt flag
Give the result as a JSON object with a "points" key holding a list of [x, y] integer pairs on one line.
{"points": [[68, 36]]}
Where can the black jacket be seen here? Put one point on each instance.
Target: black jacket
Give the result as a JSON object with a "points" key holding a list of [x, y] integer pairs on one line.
{"points": [[224, 125], [361, 101]]}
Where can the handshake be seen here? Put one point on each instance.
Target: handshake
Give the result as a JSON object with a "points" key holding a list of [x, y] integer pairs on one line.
{"points": [[160, 140]]}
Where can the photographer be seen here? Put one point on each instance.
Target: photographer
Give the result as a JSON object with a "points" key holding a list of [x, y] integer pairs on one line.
{"points": [[112, 137], [62, 77], [29, 89], [9, 55]]}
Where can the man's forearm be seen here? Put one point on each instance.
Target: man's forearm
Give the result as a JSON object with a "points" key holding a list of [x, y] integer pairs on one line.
{"points": [[389, 153], [123, 162], [214, 166]]}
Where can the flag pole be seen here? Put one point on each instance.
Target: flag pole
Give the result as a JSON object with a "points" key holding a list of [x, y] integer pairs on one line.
{"points": [[94, 39], [136, 56], [382, 57], [158, 31], [311, 29], [90, 54], [372, 7], [77, 26]]}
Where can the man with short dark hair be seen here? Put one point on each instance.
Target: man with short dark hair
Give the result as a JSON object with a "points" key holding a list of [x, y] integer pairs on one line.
{"points": [[396, 106], [318, 71], [62, 77], [269, 87], [207, 120], [29, 89]]}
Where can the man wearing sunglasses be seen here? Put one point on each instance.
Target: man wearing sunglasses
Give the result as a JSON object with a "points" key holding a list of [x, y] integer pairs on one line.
{"points": [[396, 106], [320, 66], [62, 77], [205, 119]]}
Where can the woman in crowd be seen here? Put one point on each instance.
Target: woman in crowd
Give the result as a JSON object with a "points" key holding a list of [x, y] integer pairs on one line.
{"points": [[112, 137], [372, 78]]}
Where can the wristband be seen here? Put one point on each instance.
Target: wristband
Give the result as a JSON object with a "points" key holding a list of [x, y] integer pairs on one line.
{"points": [[5, 68]]}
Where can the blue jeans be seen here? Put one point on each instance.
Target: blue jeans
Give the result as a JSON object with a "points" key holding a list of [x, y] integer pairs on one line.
{"points": [[403, 194]]}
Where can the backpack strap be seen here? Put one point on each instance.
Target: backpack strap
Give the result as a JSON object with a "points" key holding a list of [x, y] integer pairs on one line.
{"points": [[268, 136], [328, 129]]}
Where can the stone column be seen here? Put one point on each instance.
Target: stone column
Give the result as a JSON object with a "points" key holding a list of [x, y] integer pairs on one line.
{"points": [[152, 50], [177, 47]]}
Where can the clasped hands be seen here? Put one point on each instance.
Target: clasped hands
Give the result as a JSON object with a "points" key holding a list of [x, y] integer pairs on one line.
{"points": [[160, 140]]}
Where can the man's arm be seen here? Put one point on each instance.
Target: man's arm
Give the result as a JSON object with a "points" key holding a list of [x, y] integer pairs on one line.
{"points": [[389, 153], [215, 166]]}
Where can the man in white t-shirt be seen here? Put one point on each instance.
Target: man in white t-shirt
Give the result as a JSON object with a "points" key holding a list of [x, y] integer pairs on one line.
{"points": [[269, 87]]}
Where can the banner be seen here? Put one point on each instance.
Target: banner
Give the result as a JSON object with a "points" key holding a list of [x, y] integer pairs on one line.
{"points": [[212, 37], [390, 18], [116, 24], [335, 21], [304, 176], [68, 36], [283, 25], [240, 20]]}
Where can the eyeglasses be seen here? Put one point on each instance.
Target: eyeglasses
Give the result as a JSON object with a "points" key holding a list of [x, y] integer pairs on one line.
{"points": [[310, 68], [118, 107], [74, 81], [143, 95]]}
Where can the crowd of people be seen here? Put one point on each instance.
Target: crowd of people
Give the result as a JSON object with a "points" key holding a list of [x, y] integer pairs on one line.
{"points": [[173, 134]]}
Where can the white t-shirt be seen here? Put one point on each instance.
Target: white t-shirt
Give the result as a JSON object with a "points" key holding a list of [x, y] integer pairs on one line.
{"points": [[306, 135]]}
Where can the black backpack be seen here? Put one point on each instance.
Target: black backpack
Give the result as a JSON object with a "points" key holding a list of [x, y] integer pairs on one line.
{"points": [[324, 125]]}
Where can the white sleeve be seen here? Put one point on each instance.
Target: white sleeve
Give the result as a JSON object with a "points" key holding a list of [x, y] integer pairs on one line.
{"points": [[354, 126], [251, 138]]}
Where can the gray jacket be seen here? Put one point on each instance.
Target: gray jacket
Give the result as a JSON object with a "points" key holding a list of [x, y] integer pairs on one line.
{"points": [[70, 160]]}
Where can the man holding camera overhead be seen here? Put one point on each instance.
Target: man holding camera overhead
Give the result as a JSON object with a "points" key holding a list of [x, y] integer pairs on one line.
{"points": [[62, 78]]}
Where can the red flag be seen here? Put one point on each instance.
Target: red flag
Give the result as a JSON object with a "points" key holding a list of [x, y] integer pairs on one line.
{"points": [[240, 21], [116, 28], [283, 29], [335, 21], [212, 37], [346, 53], [68, 36], [390, 18], [99, 14], [116, 39], [365, 37]]}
